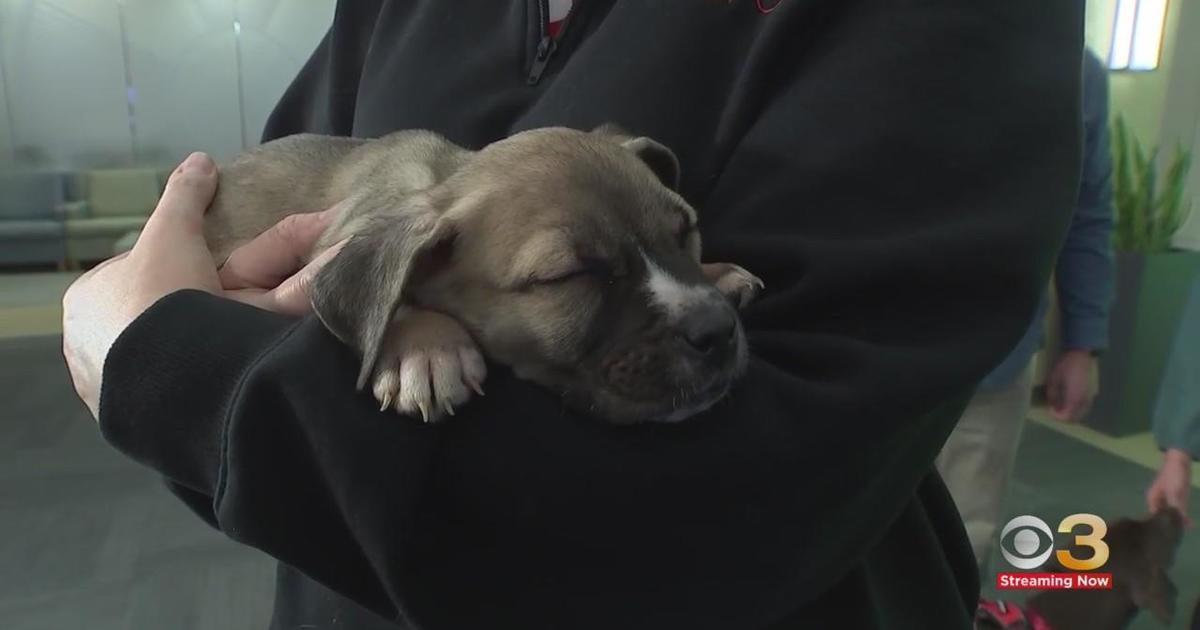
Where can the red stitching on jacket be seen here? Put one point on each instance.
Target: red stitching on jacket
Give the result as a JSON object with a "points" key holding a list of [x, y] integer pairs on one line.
{"points": [[763, 8]]}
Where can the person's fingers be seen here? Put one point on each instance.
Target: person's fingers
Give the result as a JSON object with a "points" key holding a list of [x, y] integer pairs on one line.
{"points": [[275, 254], [1155, 497], [1055, 395], [180, 210], [294, 295], [1085, 406], [1073, 402]]}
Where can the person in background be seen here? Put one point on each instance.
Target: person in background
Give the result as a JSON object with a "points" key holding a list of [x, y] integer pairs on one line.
{"points": [[976, 462], [1176, 419]]}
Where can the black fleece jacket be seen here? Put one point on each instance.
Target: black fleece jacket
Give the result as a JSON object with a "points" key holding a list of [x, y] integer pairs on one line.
{"points": [[900, 173]]}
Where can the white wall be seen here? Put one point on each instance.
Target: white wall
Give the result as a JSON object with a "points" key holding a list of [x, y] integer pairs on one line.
{"points": [[276, 34], [183, 64], [65, 78], [1181, 113], [1138, 96], [194, 84], [6, 141], [1098, 19], [1161, 107]]}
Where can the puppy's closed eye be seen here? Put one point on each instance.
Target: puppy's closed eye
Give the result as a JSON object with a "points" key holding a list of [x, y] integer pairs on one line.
{"points": [[581, 268], [549, 258]]}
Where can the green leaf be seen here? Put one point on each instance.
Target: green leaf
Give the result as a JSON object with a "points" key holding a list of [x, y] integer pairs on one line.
{"points": [[1144, 209], [1147, 216], [1122, 181], [1170, 203]]}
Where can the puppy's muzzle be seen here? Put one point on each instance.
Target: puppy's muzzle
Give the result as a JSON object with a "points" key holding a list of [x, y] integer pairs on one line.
{"points": [[709, 331], [710, 351]]}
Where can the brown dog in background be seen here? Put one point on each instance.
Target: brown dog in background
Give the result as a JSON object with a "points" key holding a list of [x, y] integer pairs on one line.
{"points": [[1140, 552], [566, 255]]}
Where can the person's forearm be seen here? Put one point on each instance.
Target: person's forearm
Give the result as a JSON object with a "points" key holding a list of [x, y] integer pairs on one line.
{"points": [[187, 386], [1176, 416], [275, 443], [1084, 275], [184, 393], [1085, 265], [1084, 283]]}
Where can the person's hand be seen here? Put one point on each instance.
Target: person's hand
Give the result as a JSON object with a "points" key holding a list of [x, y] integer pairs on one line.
{"points": [[170, 255], [1172, 484], [1069, 388]]}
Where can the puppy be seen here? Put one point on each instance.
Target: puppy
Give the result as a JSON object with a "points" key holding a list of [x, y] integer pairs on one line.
{"points": [[566, 255], [1140, 552]]}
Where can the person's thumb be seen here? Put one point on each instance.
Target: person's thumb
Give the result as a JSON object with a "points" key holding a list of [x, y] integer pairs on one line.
{"points": [[276, 254], [294, 295], [189, 191]]}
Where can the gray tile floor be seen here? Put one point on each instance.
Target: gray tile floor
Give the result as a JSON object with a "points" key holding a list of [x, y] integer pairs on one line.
{"points": [[89, 539]]}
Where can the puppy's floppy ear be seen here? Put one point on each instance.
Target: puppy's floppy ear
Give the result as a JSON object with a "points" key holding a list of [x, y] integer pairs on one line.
{"points": [[1154, 591], [1167, 524], [357, 293], [658, 157]]}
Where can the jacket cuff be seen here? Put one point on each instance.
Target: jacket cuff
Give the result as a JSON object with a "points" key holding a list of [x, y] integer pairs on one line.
{"points": [[1186, 439], [1085, 334], [170, 378]]}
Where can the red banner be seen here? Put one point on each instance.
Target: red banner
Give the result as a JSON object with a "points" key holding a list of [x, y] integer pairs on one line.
{"points": [[1052, 581]]}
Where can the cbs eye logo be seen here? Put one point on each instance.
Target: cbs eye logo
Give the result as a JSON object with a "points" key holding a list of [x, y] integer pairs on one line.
{"points": [[1032, 542]]}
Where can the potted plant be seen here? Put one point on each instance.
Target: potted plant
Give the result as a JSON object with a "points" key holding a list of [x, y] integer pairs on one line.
{"points": [[1152, 280]]}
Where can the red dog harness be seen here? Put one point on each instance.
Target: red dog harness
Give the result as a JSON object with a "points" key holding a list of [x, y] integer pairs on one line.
{"points": [[1010, 616]]}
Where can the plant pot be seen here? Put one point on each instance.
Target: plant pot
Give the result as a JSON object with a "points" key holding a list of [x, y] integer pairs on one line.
{"points": [[1151, 291]]}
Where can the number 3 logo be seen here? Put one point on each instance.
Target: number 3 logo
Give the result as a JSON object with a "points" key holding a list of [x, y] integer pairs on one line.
{"points": [[1093, 540]]}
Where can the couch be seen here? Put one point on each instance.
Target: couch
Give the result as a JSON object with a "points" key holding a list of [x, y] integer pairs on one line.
{"points": [[112, 203], [31, 229]]}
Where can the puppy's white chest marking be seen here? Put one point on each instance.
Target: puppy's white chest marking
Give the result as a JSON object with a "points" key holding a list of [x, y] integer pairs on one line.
{"points": [[669, 294]]}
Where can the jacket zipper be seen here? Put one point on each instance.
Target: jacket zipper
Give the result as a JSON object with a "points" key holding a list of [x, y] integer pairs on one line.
{"points": [[547, 44]]}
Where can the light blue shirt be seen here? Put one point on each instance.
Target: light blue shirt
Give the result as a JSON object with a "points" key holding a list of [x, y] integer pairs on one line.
{"points": [[1176, 417]]}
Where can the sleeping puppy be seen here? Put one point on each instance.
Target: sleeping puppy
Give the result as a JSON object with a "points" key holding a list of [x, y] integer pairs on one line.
{"points": [[566, 255]]}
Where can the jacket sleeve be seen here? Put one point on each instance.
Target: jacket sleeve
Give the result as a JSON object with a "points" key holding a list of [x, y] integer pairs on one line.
{"points": [[1085, 264], [1176, 421], [902, 187]]}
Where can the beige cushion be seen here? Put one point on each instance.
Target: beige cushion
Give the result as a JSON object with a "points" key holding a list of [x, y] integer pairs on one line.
{"points": [[103, 226], [122, 192]]}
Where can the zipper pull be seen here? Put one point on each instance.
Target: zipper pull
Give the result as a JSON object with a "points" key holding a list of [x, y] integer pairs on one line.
{"points": [[545, 50]]}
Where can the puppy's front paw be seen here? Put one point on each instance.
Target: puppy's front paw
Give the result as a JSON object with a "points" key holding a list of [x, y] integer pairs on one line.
{"points": [[428, 365], [734, 282]]}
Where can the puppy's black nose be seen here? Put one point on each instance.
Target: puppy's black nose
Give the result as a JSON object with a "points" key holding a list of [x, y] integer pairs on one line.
{"points": [[708, 329]]}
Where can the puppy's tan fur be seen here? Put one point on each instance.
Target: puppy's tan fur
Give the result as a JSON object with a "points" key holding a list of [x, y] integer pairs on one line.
{"points": [[450, 248]]}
